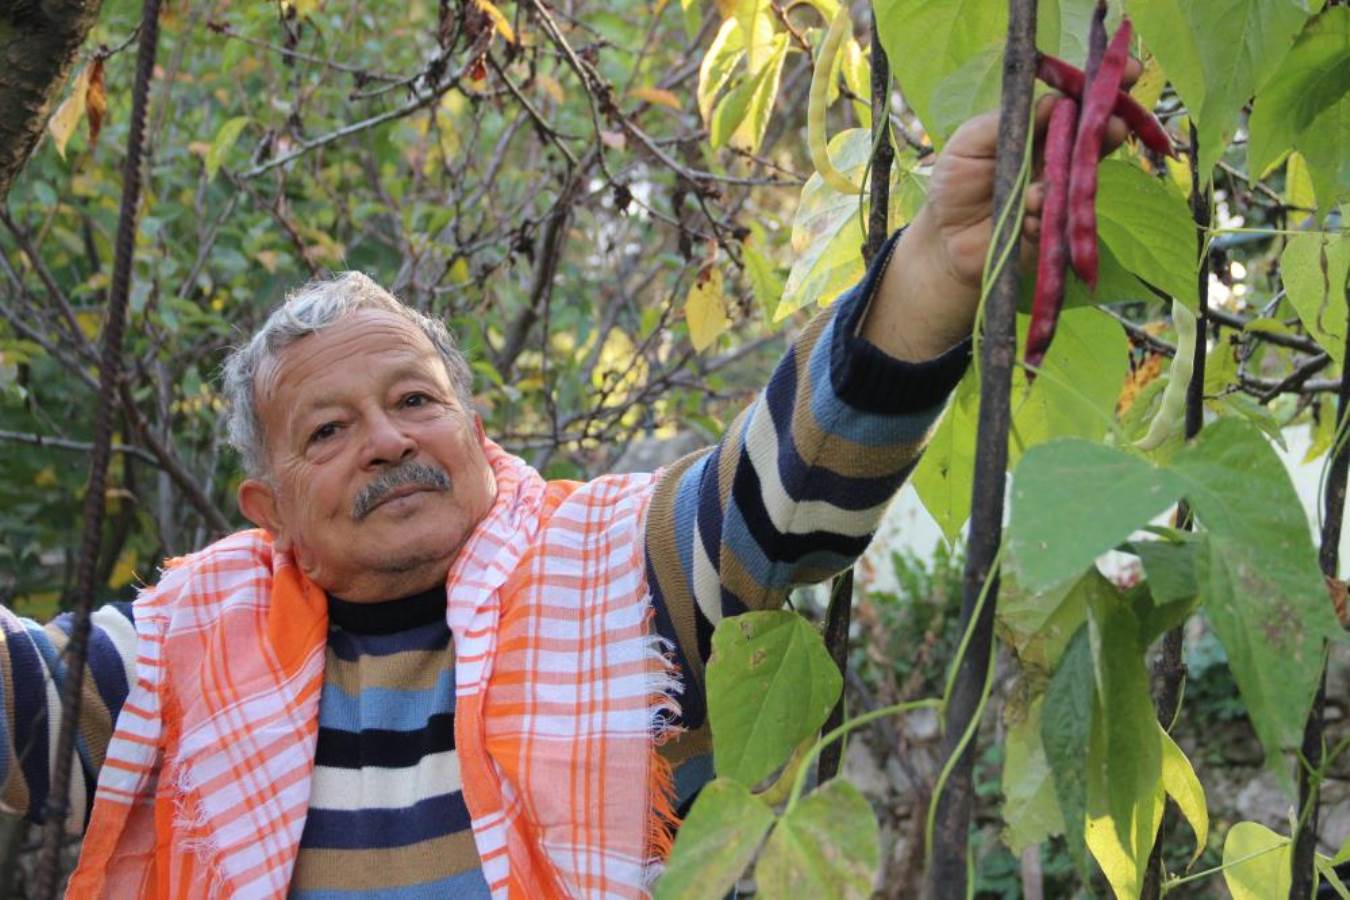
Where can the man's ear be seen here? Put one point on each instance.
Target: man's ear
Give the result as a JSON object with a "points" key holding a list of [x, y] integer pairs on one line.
{"points": [[258, 503], [478, 428]]}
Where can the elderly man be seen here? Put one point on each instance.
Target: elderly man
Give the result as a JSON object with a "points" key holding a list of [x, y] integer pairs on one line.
{"points": [[428, 672]]}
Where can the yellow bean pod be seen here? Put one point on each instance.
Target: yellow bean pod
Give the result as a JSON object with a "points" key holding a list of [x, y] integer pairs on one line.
{"points": [[816, 142]]}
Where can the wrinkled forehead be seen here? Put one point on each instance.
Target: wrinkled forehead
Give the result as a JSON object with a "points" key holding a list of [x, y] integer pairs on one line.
{"points": [[364, 346]]}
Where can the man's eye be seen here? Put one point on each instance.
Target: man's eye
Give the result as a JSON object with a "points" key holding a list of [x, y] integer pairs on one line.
{"points": [[416, 399], [323, 432]]}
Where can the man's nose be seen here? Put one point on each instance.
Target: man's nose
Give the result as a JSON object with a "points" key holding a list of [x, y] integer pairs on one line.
{"points": [[387, 443]]}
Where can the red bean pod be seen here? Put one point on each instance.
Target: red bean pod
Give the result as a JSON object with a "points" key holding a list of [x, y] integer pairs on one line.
{"points": [[1087, 152], [1054, 257], [1096, 42], [1069, 79]]}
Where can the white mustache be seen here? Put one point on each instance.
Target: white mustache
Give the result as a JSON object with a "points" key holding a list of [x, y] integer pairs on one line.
{"points": [[432, 478]]}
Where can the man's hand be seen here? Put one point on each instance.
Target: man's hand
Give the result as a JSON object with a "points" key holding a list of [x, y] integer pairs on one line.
{"points": [[927, 299]]}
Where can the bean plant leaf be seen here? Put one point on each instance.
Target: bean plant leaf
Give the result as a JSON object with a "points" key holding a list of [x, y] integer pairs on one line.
{"points": [[825, 230], [1342, 855], [970, 89], [1304, 105], [719, 64], [1038, 625], [1147, 226], [1066, 732], [1258, 574], [715, 844], [1122, 861], [771, 682], [826, 847], [1218, 54], [1054, 533], [1184, 788], [1030, 811], [926, 42], [1075, 396], [1314, 268], [1255, 862]]}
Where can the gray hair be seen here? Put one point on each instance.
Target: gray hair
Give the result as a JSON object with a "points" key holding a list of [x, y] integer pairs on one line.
{"points": [[313, 307]]}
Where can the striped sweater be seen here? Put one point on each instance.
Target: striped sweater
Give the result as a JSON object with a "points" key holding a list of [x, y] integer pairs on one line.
{"points": [[790, 495]]}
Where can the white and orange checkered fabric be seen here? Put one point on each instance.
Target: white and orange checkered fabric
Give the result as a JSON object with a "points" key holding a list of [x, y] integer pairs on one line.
{"points": [[561, 692]]}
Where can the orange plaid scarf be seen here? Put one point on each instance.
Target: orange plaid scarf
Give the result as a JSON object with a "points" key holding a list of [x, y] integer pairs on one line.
{"points": [[561, 690]]}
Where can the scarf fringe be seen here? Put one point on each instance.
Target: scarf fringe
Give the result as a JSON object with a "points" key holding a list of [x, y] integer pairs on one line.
{"points": [[191, 821], [663, 710]]}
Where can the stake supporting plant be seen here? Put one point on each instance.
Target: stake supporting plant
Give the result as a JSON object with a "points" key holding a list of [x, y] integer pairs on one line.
{"points": [[110, 371], [947, 872], [841, 594]]}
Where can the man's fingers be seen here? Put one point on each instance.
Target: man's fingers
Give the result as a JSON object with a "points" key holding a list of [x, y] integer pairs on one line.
{"points": [[1035, 198], [1133, 69]]}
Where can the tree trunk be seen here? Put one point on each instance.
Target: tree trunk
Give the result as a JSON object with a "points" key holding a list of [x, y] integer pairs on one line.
{"points": [[38, 41]]}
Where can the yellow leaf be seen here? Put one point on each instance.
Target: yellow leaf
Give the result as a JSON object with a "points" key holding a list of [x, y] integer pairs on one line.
{"points": [[124, 572], [498, 20], [1179, 170], [727, 8], [45, 477], [1255, 862], [1185, 789], [656, 95], [1298, 186], [459, 272], [90, 322], [69, 113], [705, 309]]}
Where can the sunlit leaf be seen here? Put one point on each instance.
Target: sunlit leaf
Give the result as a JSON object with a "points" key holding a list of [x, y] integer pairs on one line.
{"points": [[1184, 788], [499, 21], [68, 114], [1255, 862], [658, 96], [728, 48], [705, 309], [1147, 224]]}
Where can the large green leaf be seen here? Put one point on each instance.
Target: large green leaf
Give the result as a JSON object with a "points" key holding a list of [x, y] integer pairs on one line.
{"points": [[1255, 862], [1259, 578], [1074, 397], [1147, 225], [1217, 53], [826, 847], [972, 88], [1314, 268], [771, 683], [1126, 733], [1066, 732], [1030, 810], [926, 42], [1311, 77], [1076, 392], [1073, 500], [715, 844]]}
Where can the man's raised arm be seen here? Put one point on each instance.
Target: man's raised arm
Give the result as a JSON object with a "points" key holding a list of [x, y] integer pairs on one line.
{"points": [[32, 679]]}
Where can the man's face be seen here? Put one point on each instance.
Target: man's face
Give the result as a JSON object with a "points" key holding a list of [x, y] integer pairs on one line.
{"points": [[376, 471]]}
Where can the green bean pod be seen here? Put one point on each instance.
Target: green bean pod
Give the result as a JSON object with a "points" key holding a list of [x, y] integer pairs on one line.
{"points": [[1171, 414]]}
